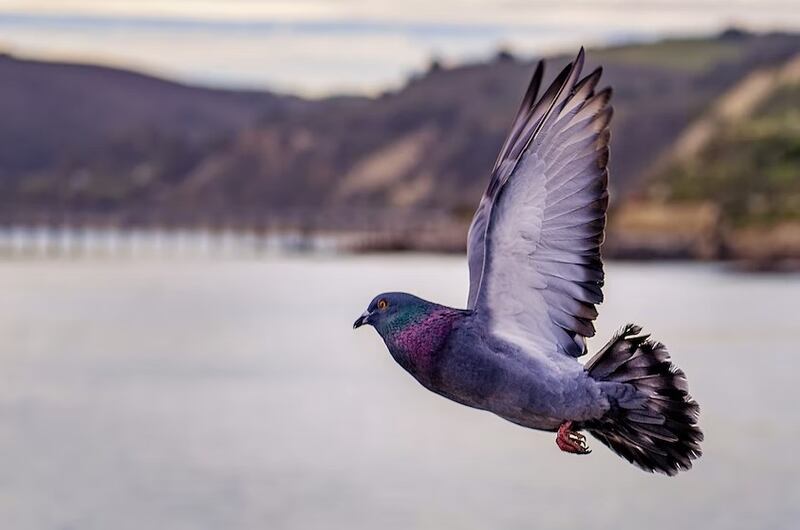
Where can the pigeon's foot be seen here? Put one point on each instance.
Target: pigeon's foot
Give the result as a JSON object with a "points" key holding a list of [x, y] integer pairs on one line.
{"points": [[570, 441]]}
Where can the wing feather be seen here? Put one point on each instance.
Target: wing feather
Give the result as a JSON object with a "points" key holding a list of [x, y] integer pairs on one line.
{"points": [[534, 243], [529, 115]]}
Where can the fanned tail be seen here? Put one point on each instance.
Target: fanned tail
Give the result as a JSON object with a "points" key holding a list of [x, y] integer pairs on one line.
{"points": [[653, 419]]}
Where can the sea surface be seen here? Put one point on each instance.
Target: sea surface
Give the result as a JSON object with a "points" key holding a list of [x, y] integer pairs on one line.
{"points": [[211, 394]]}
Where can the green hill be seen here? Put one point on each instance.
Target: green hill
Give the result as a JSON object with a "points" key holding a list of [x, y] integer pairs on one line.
{"points": [[739, 163], [750, 169]]}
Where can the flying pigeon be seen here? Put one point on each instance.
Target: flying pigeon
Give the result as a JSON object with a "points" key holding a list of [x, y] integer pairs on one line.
{"points": [[535, 277]]}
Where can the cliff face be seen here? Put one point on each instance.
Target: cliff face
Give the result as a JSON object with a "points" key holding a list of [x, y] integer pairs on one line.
{"points": [[741, 160], [89, 142]]}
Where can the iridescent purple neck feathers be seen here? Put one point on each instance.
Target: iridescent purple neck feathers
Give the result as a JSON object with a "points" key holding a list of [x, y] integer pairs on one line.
{"points": [[415, 339]]}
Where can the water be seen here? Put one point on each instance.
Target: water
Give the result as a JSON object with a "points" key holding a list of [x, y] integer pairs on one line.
{"points": [[234, 394]]}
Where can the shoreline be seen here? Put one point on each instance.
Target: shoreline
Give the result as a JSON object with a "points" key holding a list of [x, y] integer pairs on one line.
{"points": [[43, 242]]}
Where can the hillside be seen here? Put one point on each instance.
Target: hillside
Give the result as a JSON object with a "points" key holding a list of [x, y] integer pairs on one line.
{"points": [[91, 144], [89, 139], [740, 164]]}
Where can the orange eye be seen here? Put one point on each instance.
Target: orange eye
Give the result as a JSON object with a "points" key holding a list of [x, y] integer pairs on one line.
{"points": [[382, 304]]}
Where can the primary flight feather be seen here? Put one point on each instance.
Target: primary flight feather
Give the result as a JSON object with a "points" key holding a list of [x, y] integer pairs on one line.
{"points": [[535, 277]]}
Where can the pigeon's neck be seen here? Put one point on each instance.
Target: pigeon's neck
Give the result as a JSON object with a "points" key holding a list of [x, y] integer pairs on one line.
{"points": [[415, 341]]}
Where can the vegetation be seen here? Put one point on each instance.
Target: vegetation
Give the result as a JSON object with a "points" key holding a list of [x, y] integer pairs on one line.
{"points": [[693, 55], [750, 167]]}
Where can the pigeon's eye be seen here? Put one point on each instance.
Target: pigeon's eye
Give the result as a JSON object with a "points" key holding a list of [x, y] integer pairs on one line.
{"points": [[382, 304]]}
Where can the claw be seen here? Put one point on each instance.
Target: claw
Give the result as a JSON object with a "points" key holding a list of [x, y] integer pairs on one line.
{"points": [[570, 441]]}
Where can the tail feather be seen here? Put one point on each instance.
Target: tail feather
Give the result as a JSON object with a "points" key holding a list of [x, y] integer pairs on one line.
{"points": [[653, 419]]}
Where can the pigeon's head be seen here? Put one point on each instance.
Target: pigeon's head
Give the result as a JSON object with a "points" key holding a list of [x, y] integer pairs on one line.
{"points": [[391, 311]]}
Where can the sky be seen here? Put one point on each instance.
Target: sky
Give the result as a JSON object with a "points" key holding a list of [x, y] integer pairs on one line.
{"points": [[320, 47]]}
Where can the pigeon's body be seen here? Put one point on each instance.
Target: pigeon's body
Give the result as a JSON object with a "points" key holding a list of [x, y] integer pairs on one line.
{"points": [[535, 277], [450, 353]]}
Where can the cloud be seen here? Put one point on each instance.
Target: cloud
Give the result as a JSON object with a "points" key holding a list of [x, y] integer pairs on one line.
{"points": [[316, 47]]}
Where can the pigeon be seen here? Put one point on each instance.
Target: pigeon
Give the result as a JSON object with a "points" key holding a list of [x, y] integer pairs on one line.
{"points": [[535, 277]]}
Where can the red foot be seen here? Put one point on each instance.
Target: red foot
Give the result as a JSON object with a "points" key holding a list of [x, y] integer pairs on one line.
{"points": [[571, 441]]}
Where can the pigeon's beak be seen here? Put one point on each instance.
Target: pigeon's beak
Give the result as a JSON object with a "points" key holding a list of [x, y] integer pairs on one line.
{"points": [[360, 321]]}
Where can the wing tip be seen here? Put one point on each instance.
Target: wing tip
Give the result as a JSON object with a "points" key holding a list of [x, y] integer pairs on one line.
{"points": [[533, 87], [580, 59]]}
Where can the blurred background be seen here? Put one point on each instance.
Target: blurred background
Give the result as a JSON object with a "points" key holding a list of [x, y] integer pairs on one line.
{"points": [[197, 198]]}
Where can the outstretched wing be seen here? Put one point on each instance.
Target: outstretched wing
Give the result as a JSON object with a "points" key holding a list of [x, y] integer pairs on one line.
{"points": [[477, 229], [534, 243]]}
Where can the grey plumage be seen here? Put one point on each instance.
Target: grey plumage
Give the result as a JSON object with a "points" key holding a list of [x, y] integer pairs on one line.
{"points": [[536, 276]]}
